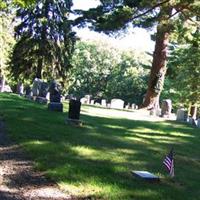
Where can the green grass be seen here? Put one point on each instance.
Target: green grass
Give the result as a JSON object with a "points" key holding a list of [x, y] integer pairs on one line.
{"points": [[96, 159]]}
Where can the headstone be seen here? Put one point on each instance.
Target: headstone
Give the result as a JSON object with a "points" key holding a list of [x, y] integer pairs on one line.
{"points": [[83, 100], [133, 106], [198, 123], [108, 105], [145, 175], [117, 104], [43, 90], [48, 96], [166, 108], [92, 102], [7, 88], [20, 88], [158, 112], [55, 97], [192, 121], [87, 97], [36, 86], [74, 112], [103, 102], [39, 91], [181, 115]]}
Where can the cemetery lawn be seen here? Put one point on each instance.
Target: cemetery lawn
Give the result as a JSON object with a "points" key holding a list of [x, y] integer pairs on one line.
{"points": [[95, 160]]}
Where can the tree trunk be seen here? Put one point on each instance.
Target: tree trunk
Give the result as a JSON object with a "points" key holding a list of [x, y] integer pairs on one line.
{"points": [[158, 69], [2, 83], [39, 68], [193, 111]]}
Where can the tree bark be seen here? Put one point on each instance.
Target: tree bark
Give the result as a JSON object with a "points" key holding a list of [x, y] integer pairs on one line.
{"points": [[193, 111], [39, 68], [158, 70]]}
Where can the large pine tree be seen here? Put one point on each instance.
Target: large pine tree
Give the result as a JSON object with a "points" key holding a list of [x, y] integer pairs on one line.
{"points": [[45, 40], [114, 15]]}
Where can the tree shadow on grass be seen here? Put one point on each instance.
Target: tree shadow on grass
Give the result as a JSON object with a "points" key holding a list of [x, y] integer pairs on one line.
{"points": [[104, 151]]}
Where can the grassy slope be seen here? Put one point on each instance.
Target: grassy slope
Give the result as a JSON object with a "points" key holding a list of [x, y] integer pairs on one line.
{"points": [[96, 159]]}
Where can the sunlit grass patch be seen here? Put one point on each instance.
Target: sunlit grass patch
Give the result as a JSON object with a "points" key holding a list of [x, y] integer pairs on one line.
{"points": [[96, 160]]}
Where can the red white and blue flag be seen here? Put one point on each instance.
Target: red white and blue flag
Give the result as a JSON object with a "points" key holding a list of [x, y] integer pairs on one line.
{"points": [[169, 163]]}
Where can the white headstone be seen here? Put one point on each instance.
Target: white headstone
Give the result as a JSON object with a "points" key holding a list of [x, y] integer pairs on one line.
{"points": [[48, 96], [84, 100], [181, 115], [103, 102], [87, 97], [133, 106], [117, 103], [92, 102]]}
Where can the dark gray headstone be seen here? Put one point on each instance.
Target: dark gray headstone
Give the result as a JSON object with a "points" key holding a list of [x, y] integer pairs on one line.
{"points": [[55, 97], [43, 90], [74, 109], [55, 93]]}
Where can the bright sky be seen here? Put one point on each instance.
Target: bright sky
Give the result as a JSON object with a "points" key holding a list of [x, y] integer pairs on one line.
{"points": [[136, 38]]}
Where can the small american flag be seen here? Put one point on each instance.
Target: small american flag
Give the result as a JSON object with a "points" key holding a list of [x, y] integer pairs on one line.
{"points": [[169, 163]]}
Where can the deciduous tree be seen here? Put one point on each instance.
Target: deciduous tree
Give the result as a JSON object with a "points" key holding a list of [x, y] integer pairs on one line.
{"points": [[113, 15]]}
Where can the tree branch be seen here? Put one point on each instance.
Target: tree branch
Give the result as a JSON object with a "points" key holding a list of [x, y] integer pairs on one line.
{"points": [[152, 8]]}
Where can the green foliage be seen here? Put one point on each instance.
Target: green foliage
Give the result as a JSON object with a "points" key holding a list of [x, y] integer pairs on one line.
{"points": [[95, 161], [115, 15], [6, 41], [184, 69], [105, 72], [45, 41]]}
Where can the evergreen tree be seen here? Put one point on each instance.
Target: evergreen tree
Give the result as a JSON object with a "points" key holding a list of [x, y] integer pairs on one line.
{"points": [[45, 40], [184, 68], [166, 15]]}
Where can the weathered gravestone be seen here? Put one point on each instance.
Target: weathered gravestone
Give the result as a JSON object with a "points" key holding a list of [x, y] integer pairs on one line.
{"points": [[74, 112], [198, 123], [55, 97], [36, 87], [133, 106], [166, 108], [192, 121], [39, 90], [92, 102], [83, 100], [117, 104], [20, 88], [181, 115], [86, 99]]}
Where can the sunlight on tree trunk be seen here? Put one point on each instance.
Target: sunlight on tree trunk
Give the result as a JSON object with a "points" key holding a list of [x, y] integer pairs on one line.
{"points": [[158, 69]]}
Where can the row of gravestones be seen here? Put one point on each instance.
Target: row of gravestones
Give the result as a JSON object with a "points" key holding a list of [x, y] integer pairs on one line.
{"points": [[182, 116], [42, 92], [115, 103], [164, 111]]}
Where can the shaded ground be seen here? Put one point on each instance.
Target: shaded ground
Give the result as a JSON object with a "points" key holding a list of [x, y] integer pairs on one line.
{"points": [[18, 180]]}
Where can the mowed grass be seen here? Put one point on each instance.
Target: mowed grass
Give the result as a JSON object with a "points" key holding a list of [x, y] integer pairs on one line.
{"points": [[95, 160]]}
